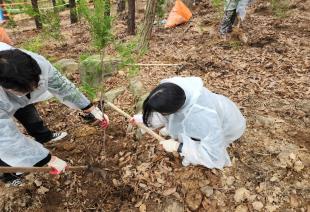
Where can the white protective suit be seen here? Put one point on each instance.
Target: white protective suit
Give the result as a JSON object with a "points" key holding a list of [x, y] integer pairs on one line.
{"points": [[15, 148], [206, 124]]}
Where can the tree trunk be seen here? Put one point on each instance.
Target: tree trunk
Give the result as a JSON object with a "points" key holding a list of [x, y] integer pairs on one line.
{"points": [[73, 15], [149, 18], [35, 8], [131, 17], [121, 4]]}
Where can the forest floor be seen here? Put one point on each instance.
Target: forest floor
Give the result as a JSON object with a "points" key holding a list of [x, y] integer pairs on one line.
{"points": [[269, 79]]}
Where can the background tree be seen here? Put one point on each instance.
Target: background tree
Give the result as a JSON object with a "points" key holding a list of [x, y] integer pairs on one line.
{"points": [[147, 27], [131, 17], [36, 11]]}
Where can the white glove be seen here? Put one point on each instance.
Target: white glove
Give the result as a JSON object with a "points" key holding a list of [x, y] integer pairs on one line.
{"points": [[138, 118], [96, 112], [170, 145], [58, 166], [163, 132], [103, 118]]}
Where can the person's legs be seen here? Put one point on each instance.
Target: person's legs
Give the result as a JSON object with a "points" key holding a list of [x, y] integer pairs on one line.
{"points": [[228, 21], [30, 119], [15, 179]]}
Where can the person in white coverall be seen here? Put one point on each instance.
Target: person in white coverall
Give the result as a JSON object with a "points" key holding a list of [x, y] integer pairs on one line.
{"points": [[27, 78], [201, 124]]}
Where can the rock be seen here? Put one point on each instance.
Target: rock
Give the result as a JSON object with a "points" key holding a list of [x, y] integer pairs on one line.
{"points": [[84, 131], [93, 71], [274, 178], [193, 199], [241, 194], [142, 208], [230, 180], [69, 146], [298, 166], [304, 105], [241, 208], [111, 95], [207, 191], [42, 190], [257, 205], [203, 183], [136, 87], [173, 206], [269, 65], [265, 121], [67, 66], [140, 103], [38, 183]]}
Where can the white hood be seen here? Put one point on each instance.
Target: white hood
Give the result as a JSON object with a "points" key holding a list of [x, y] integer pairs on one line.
{"points": [[192, 87]]}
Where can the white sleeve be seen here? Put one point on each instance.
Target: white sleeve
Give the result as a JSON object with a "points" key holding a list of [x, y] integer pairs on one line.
{"points": [[15, 148]]}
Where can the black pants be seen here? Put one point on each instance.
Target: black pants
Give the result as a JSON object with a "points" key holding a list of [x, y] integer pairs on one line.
{"points": [[30, 119]]}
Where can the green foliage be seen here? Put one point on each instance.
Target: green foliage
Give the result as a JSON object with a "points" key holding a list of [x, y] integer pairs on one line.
{"points": [[84, 55], [100, 23], [34, 45], [90, 91], [218, 4], [127, 54], [51, 24], [160, 8], [280, 8]]}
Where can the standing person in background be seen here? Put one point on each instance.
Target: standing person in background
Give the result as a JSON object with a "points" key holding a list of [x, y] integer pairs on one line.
{"points": [[4, 38], [27, 78], [233, 9]]}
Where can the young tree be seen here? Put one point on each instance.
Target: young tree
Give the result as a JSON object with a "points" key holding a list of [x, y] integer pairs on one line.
{"points": [[73, 14], [131, 17], [149, 18], [35, 8]]}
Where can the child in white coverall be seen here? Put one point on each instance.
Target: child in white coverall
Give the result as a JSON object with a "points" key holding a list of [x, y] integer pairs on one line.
{"points": [[201, 124]]}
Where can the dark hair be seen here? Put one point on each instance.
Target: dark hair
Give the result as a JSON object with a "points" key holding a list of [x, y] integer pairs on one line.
{"points": [[18, 71], [166, 98]]}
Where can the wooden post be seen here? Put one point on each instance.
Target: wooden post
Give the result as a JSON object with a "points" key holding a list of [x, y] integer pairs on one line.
{"points": [[147, 27], [35, 8], [131, 21], [73, 14]]}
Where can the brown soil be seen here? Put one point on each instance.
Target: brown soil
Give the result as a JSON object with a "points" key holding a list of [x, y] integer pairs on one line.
{"points": [[268, 78]]}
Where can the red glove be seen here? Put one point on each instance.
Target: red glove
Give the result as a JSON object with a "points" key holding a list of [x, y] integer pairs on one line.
{"points": [[58, 166]]}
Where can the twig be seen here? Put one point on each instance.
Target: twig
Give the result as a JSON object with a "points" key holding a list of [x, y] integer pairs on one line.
{"points": [[154, 64]]}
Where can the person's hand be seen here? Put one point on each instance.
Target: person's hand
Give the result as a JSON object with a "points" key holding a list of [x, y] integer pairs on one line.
{"points": [[102, 118], [138, 118], [170, 145], [58, 166]]}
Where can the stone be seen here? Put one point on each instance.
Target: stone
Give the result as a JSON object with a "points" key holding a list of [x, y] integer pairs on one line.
{"points": [[42, 190], [140, 102], [241, 194], [38, 183], [230, 180], [67, 66], [257, 205], [93, 71], [193, 199], [69, 146], [111, 95], [304, 105], [172, 205], [207, 191], [84, 131], [241, 208], [136, 87], [298, 166]]}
